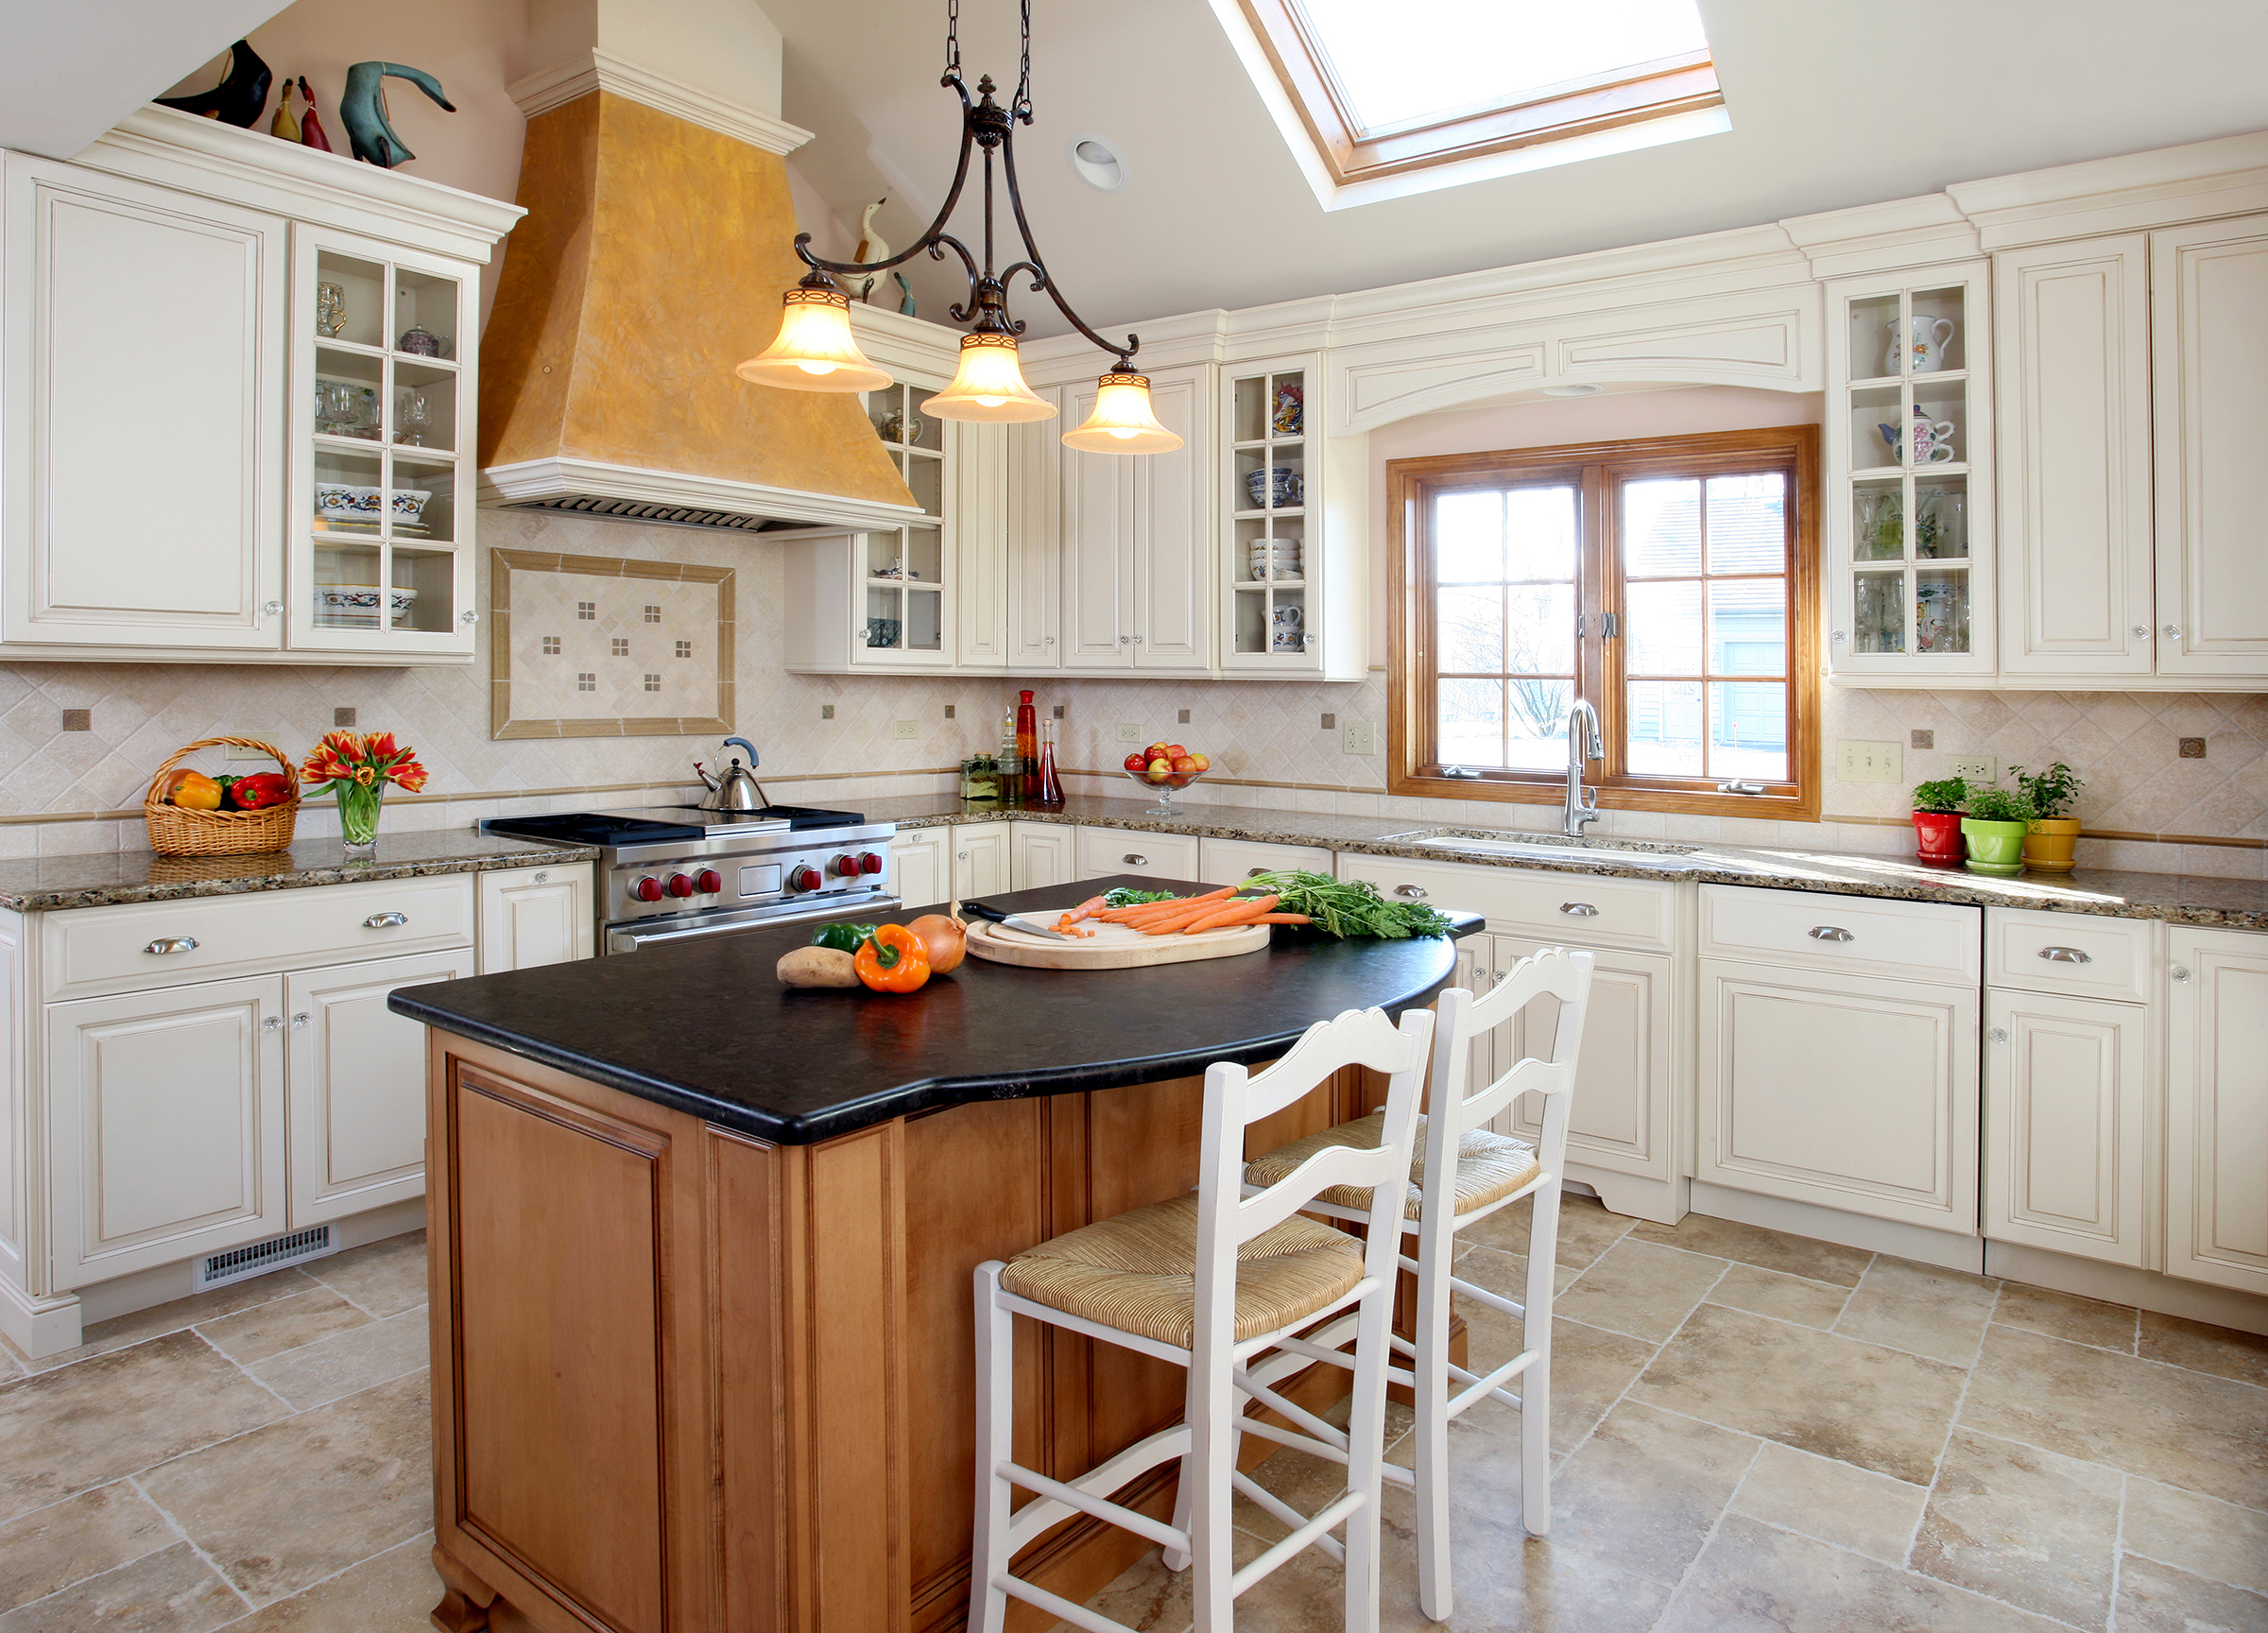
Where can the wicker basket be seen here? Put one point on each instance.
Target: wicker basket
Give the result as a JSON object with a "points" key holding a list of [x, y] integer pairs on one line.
{"points": [[178, 831]]}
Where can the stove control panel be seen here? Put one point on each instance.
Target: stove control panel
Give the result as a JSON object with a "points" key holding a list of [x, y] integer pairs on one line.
{"points": [[734, 873], [807, 878]]}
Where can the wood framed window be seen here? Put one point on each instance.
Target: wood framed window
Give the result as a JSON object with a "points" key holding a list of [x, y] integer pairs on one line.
{"points": [[1670, 583]]}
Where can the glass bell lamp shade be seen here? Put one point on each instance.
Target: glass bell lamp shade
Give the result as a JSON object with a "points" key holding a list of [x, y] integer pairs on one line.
{"points": [[814, 350], [1122, 420], [989, 385]]}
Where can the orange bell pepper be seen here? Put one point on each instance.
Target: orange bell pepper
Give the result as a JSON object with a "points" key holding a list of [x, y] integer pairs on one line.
{"points": [[892, 959]]}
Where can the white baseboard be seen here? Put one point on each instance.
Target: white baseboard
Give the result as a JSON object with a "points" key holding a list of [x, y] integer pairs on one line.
{"points": [[1941, 1248], [2123, 1284], [39, 1325], [1665, 1204]]}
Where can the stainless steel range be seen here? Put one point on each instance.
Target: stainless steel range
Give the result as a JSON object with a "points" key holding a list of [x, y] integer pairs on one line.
{"points": [[670, 873]]}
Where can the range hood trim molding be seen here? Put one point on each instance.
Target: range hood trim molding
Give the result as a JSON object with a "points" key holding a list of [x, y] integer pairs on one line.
{"points": [[535, 482], [596, 70]]}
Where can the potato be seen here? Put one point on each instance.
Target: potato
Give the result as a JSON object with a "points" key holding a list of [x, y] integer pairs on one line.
{"points": [[818, 967]]}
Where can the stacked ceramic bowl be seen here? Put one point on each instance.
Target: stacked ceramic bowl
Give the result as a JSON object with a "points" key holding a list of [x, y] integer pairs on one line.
{"points": [[1273, 559]]}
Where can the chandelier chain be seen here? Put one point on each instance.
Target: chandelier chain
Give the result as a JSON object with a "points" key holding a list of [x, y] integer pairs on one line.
{"points": [[953, 40], [1021, 107]]}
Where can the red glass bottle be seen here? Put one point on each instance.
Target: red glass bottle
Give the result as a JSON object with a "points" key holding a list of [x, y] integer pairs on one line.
{"points": [[1047, 787], [1027, 742]]}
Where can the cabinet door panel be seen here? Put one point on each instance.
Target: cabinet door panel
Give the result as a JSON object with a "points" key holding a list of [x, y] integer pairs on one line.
{"points": [[919, 866], [2209, 316], [1620, 1118], [2074, 435], [1174, 562], [1035, 545], [168, 1127], [1100, 538], [357, 1085], [530, 919], [189, 552], [980, 858], [1039, 855], [2217, 1109], [2066, 1091], [1844, 1091], [1233, 861]]}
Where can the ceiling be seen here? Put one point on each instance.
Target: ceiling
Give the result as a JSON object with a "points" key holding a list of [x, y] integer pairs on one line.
{"points": [[73, 70], [1832, 104]]}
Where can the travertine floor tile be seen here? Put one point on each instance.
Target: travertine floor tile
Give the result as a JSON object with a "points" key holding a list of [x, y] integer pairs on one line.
{"points": [[290, 1504], [2154, 1598], [158, 1319], [1504, 1579], [1837, 1502], [1585, 1230], [1641, 1288], [1753, 1579], [2221, 1350], [2198, 1533], [1882, 1409], [1753, 1244], [168, 1592], [348, 1361], [2028, 1527], [81, 1536], [1920, 1308], [385, 1278], [1506, 1273], [86, 1424], [284, 1324], [2187, 1429], [2064, 1315], [388, 1594], [1641, 1493], [1590, 1368], [1786, 1298]]}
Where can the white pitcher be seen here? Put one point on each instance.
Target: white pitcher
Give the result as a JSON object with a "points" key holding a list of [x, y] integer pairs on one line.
{"points": [[1926, 340]]}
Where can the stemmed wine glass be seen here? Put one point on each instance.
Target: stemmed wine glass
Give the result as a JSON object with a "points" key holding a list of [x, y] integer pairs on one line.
{"points": [[413, 413]]}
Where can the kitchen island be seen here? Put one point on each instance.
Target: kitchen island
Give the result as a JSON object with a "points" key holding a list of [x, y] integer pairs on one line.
{"points": [[701, 1251]]}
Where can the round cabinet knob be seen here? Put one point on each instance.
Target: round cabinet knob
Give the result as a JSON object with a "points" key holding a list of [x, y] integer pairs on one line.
{"points": [[2172, 631], [804, 879], [2179, 972], [1996, 1036], [468, 617], [2141, 631], [648, 889], [708, 880], [679, 885], [868, 862]]}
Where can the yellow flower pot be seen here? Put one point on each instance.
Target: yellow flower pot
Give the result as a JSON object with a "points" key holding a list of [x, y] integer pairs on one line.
{"points": [[2049, 842]]}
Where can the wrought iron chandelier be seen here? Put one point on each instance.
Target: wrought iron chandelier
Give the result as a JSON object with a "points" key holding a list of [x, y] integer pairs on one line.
{"points": [[817, 351]]}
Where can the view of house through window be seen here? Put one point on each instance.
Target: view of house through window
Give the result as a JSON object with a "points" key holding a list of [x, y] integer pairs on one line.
{"points": [[1665, 582]]}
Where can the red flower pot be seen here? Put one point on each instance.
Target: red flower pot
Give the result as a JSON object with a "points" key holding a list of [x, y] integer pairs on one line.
{"points": [[1937, 836]]}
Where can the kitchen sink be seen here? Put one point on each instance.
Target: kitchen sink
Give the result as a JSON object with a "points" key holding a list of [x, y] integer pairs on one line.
{"points": [[1663, 858]]}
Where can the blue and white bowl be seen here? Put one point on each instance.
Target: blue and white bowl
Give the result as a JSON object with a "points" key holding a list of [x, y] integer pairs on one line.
{"points": [[1274, 488]]}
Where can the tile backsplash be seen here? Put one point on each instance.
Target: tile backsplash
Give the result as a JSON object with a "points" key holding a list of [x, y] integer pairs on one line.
{"points": [[62, 792]]}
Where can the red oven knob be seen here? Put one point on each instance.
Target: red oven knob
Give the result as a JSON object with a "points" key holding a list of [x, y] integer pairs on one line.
{"points": [[844, 866], [869, 863], [647, 889], [804, 879], [679, 885], [707, 882]]}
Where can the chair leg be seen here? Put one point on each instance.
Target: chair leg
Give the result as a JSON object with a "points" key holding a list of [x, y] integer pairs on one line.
{"points": [[1365, 1451], [1210, 1402], [1184, 1505], [1430, 1393], [995, 1444], [1535, 1383]]}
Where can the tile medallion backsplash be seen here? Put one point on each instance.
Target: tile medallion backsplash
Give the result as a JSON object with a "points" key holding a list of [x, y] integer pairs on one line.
{"points": [[607, 646]]}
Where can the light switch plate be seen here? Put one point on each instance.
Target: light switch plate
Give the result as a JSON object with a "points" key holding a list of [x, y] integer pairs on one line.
{"points": [[1128, 732], [1362, 737], [1976, 768], [904, 729], [237, 751], [1860, 762]]}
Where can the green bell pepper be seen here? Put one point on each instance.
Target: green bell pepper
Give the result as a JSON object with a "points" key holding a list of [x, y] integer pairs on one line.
{"points": [[842, 937]]}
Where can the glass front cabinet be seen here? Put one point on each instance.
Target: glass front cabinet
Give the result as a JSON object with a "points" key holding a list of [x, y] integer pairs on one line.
{"points": [[905, 618], [1271, 546], [379, 502], [1908, 495]]}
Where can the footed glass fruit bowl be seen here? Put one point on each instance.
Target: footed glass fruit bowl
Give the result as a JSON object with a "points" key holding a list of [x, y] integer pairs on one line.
{"points": [[1165, 787]]}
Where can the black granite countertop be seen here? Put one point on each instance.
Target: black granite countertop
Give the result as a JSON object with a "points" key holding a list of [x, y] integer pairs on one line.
{"points": [[110, 878], [705, 1027]]}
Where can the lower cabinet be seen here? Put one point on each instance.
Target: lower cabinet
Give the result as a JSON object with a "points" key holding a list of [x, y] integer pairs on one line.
{"points": [[2067, 1093], [919, 874], [980, 858], [1845, 1091], [531, 917], [2217, 1107], [1040, 855], [1233, 861], [1103, 851]]}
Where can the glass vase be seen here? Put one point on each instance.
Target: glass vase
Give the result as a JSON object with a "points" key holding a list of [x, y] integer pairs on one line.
{"points": [[358, 814]]}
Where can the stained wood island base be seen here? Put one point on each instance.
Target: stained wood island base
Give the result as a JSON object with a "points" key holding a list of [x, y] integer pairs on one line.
{"points": [[701, 1254]]}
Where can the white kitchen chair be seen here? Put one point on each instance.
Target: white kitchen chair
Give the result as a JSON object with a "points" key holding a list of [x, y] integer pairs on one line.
{"points": [[1491, 1171], [1208, 1281]]}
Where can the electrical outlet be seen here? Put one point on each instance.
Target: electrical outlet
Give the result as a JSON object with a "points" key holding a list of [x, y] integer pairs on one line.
{"points": [[237, 751], [1976, 768], [1129, 732], [904, 729], [1857, 762], [1362, 737]]}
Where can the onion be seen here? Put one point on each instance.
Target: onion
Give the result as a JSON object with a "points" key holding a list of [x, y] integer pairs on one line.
{"points": [[944, 939]]}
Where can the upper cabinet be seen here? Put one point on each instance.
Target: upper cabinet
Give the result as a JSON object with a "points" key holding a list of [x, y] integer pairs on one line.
{"points": [[1136, 535], [1909, 477], [237, 402]]}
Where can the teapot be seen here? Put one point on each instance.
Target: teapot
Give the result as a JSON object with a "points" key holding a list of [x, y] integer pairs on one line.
{"points": [[1925, 343], [1932, 438], [737, 790]]}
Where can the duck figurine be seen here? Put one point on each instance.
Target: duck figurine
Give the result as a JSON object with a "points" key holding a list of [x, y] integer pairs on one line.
{"points": [[239, 96], [310, 128], [362, 110], [870, 247]]}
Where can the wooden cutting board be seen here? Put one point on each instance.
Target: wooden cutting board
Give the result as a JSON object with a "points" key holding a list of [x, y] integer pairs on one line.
{"points": [[1111, 946]]}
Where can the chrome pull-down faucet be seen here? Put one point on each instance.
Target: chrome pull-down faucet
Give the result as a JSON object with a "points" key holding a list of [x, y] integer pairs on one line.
{"points": [[1582, 803]]}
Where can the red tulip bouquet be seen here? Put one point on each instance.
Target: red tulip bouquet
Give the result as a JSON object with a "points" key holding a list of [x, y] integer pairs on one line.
{"points": [[357, 768]]}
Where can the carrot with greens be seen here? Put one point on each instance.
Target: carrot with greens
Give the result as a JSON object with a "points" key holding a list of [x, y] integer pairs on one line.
{"points": [[1235, 913]]}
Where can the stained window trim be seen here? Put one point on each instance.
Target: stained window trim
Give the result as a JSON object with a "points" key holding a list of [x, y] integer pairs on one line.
{"points": [[1413, 770], [1661, 89]]}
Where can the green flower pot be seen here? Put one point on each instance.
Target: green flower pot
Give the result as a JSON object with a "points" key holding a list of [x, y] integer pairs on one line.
{"points": [[1994, 847]]}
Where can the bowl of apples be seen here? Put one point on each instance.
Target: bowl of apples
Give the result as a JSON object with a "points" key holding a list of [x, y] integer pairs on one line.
{"points": [[1163, 767]]}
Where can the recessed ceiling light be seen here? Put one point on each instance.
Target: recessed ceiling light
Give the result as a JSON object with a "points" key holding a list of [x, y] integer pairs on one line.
{"points": [[1097, 161], [1570, 390]]}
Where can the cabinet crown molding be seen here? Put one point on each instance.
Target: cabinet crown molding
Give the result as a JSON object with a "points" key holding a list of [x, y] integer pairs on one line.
{"points": [[597, 70], [2159, 188]]}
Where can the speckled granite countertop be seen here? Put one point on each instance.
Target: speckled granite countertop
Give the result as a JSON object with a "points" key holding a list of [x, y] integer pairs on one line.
{"points": [[2177, 899], [110, 879]]}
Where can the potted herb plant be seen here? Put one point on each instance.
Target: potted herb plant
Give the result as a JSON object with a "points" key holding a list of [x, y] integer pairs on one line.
{"points": [[1937, 818], [2054, 831], [1994, 826]]}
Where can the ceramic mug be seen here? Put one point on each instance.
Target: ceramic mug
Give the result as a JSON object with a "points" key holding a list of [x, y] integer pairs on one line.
{"points": [[1932, 439], [1925, 343], [1274, 488], [1287, 617]]}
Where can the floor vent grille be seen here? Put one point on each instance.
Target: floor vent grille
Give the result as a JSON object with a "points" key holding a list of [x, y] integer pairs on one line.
{"points": [[259, 1258]]}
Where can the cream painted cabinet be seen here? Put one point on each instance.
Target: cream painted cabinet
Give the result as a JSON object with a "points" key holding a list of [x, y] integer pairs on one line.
{"points": [[2067, 1096], [1104, 851], [355, 1086], [165, 1125], [1233, 861], [1033, 521], [1138, 586], [920, 866], [2217, 1107], [1039, 853], [535, 915], [1839, 1088], [980, 858]]}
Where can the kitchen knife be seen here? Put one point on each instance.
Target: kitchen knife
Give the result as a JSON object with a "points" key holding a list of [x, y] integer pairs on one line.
{"points": [[978, 910]]}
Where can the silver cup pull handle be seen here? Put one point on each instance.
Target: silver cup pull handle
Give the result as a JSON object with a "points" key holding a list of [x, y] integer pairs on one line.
{"points": [[1831, 933], [172, 944], [1135, 859], [386, 920], [1410, 892], [1578, 910], [2065, 956]]}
